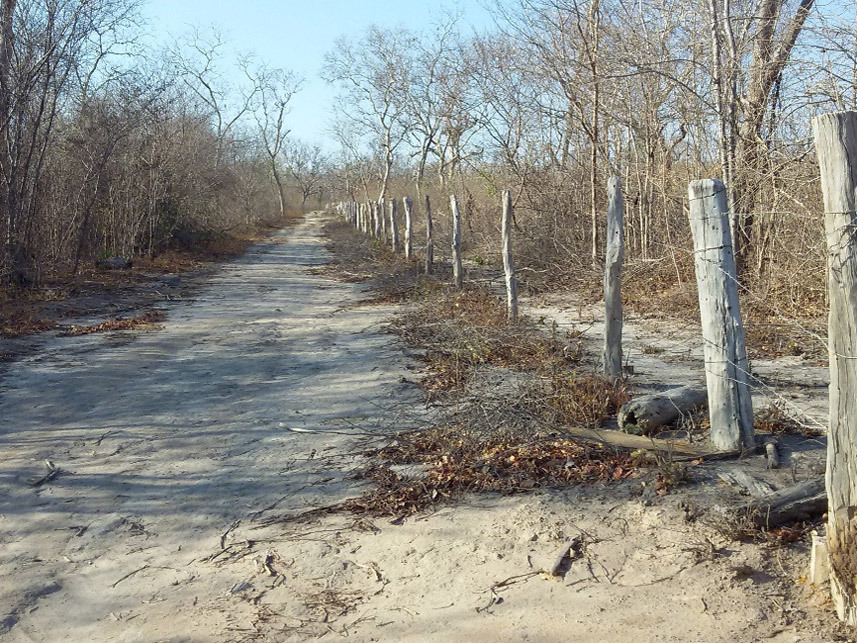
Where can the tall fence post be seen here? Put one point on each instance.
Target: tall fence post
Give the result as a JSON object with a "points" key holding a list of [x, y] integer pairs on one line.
{"points": [[429, 238], [382, 214], [836, 146], [508, 262], [394, 227], [409, 208], [730, 407], [376, 220], [613, 258], [456, 242]]}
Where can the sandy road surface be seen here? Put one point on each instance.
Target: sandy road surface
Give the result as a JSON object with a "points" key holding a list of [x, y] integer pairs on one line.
{"points": [[166, 438], [179, 452]]}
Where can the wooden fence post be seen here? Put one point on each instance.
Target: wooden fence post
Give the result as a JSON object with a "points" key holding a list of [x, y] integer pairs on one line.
{"points": [[508, 262], [429, 238], [730, 407], [382, 214], [836, 146], [613, 258], [394, 227], [409, 207], [456, 242], [376, 220]]}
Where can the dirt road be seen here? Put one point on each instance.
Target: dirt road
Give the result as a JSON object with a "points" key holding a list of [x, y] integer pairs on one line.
{"points": [[166, 438], [181, 448]]}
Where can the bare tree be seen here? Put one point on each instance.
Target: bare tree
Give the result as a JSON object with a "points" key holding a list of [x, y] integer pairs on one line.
{"points": [[307, 165], [272, 90], [373, 75]]}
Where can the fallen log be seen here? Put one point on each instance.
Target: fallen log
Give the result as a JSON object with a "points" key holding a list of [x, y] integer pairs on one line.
{"points": [[803, 501], [644, 414]]}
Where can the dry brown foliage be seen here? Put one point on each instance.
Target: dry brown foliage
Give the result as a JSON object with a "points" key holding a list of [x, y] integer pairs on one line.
{"points": [[458, 461], [146, 320]]}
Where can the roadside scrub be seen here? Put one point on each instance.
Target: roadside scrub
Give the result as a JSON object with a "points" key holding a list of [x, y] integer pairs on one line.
{"points": [[512, 442]]}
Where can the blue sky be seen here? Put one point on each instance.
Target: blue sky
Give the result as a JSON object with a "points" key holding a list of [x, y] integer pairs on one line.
{"points": [[297, 34]]}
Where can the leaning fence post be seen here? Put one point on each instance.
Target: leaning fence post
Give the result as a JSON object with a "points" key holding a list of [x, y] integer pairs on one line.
{"points": [[730, 407], [456, 242], [409, 206], [394, 227], [429, 238], [836, 146], [508, 262], [614, 256]]}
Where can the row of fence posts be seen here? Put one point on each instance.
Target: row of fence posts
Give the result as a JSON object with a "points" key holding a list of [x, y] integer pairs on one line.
{"points": [[726, 365], [371, 218]]}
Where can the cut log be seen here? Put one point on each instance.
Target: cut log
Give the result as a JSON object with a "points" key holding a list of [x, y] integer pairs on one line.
{"points": [[644, 414], [743, 480], [803, 501]]}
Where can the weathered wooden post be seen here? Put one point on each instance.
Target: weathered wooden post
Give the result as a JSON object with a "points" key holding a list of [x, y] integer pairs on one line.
{"points": [[394, 227], [730, 407], [429, 238], [508, 262], [382, 214], [836, 146], [376, 220], [456, 242], [409, 207], [613, 259]]}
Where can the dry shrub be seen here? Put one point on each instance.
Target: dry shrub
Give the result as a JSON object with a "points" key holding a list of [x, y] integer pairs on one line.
{"points": [[16, 323], [458, 461], [774, 419], [580, 399], [462, 330]]}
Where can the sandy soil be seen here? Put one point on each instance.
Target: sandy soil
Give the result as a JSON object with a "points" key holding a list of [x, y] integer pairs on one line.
{"points": [[182, 449]]}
